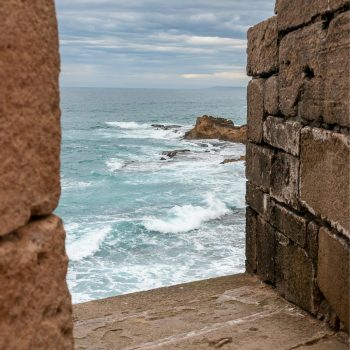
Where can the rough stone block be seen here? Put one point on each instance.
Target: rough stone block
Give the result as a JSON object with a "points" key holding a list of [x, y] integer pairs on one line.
{"points": [[314, 66], [255, 115], [265, 250], [300, 70], [283, 135], [292, 14], [35, 305], [271, 95], [336, 108], [29, 112], [263, 48], [251, 217], [290, 224], [333, 273], [324, 178], [258, 165], [312, 242], [285, 179], [258, 200], [295, 274]]}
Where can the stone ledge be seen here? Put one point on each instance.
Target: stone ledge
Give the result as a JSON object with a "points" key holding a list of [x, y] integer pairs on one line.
{"points": [[233, 312]]}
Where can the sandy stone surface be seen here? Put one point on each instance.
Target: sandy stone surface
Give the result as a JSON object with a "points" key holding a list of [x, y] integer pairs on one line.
{"points": [[235, 312], [29, 112], [35, 305]]}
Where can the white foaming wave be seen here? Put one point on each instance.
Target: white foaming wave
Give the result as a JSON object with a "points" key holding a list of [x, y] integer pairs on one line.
{"points": [[88, 244], [147, 131], [188, 217], [114, 164], [127, 125], [66, 184]]}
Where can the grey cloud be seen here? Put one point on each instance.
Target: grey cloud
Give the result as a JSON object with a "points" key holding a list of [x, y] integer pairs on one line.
{"points": [[156, 43]]}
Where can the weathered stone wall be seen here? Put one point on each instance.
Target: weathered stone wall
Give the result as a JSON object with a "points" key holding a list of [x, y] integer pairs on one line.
{"points": [[35, 305], [298, 160]]}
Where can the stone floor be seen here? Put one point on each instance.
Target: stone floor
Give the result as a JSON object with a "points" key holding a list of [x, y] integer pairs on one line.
{"points": [[235, 312]]}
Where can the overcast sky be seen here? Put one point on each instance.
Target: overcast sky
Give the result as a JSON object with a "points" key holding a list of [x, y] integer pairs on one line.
{"points": [[156, 43]]}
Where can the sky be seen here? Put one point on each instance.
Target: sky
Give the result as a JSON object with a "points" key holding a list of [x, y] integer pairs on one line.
{"points": [[156, 43]]}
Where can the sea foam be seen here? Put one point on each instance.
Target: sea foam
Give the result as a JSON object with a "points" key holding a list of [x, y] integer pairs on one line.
{"points": [[188, 217], [126, 125], [114, 164], [87, 244]]}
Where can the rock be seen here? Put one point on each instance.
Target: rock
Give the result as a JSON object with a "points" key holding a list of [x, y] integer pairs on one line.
{"points": [[165, 127], [233, 160], [172, 154], [208, 127], [162, 158]]}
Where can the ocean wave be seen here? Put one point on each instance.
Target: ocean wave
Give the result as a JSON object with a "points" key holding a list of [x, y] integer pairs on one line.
{"points": [[115, 164], [127, 125], [147, 131], [67, 185], [88, 244], [188, 217]]}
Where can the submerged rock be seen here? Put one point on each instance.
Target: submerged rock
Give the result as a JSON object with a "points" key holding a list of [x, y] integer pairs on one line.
{"points": [[233, 160], [172, 154], [208, 127]]}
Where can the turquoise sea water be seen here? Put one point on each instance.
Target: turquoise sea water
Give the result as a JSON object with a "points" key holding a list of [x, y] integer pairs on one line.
{"points": [[136, 222]]}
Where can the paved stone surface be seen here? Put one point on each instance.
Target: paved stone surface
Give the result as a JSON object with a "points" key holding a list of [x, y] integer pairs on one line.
{"points": [[235, 312]]}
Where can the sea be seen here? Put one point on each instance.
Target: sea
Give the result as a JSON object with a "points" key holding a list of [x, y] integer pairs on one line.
{"points": [[135, 221]]}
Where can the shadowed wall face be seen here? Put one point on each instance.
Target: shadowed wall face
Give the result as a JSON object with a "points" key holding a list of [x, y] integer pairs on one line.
{"points": [[298, 216], [35, 305]]}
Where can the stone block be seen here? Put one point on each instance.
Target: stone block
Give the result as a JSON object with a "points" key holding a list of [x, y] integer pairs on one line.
{"points": [[292, 14], [314, 66], [336, 108], [35, 304], [290, 224], [282, 134], [258, 165], [300, 70], [255, 115], [324, 178], [265, 250], [285, 179], [263, 48], [271, 96], [333, 273], [251, 217], [258, 200], [29, 111], [295, 279], [312, 242]]}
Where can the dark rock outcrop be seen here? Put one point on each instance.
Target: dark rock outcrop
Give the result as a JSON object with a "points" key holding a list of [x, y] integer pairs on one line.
{"points": [[208, 127], [165, 127], [172, 154]]}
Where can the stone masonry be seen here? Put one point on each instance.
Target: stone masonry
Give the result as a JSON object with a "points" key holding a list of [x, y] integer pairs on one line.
{"points": [[298, 155], [35, 304]]}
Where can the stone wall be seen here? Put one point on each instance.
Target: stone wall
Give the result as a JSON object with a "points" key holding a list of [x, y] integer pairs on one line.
{"points": [[298, 165], [35, 305]]}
